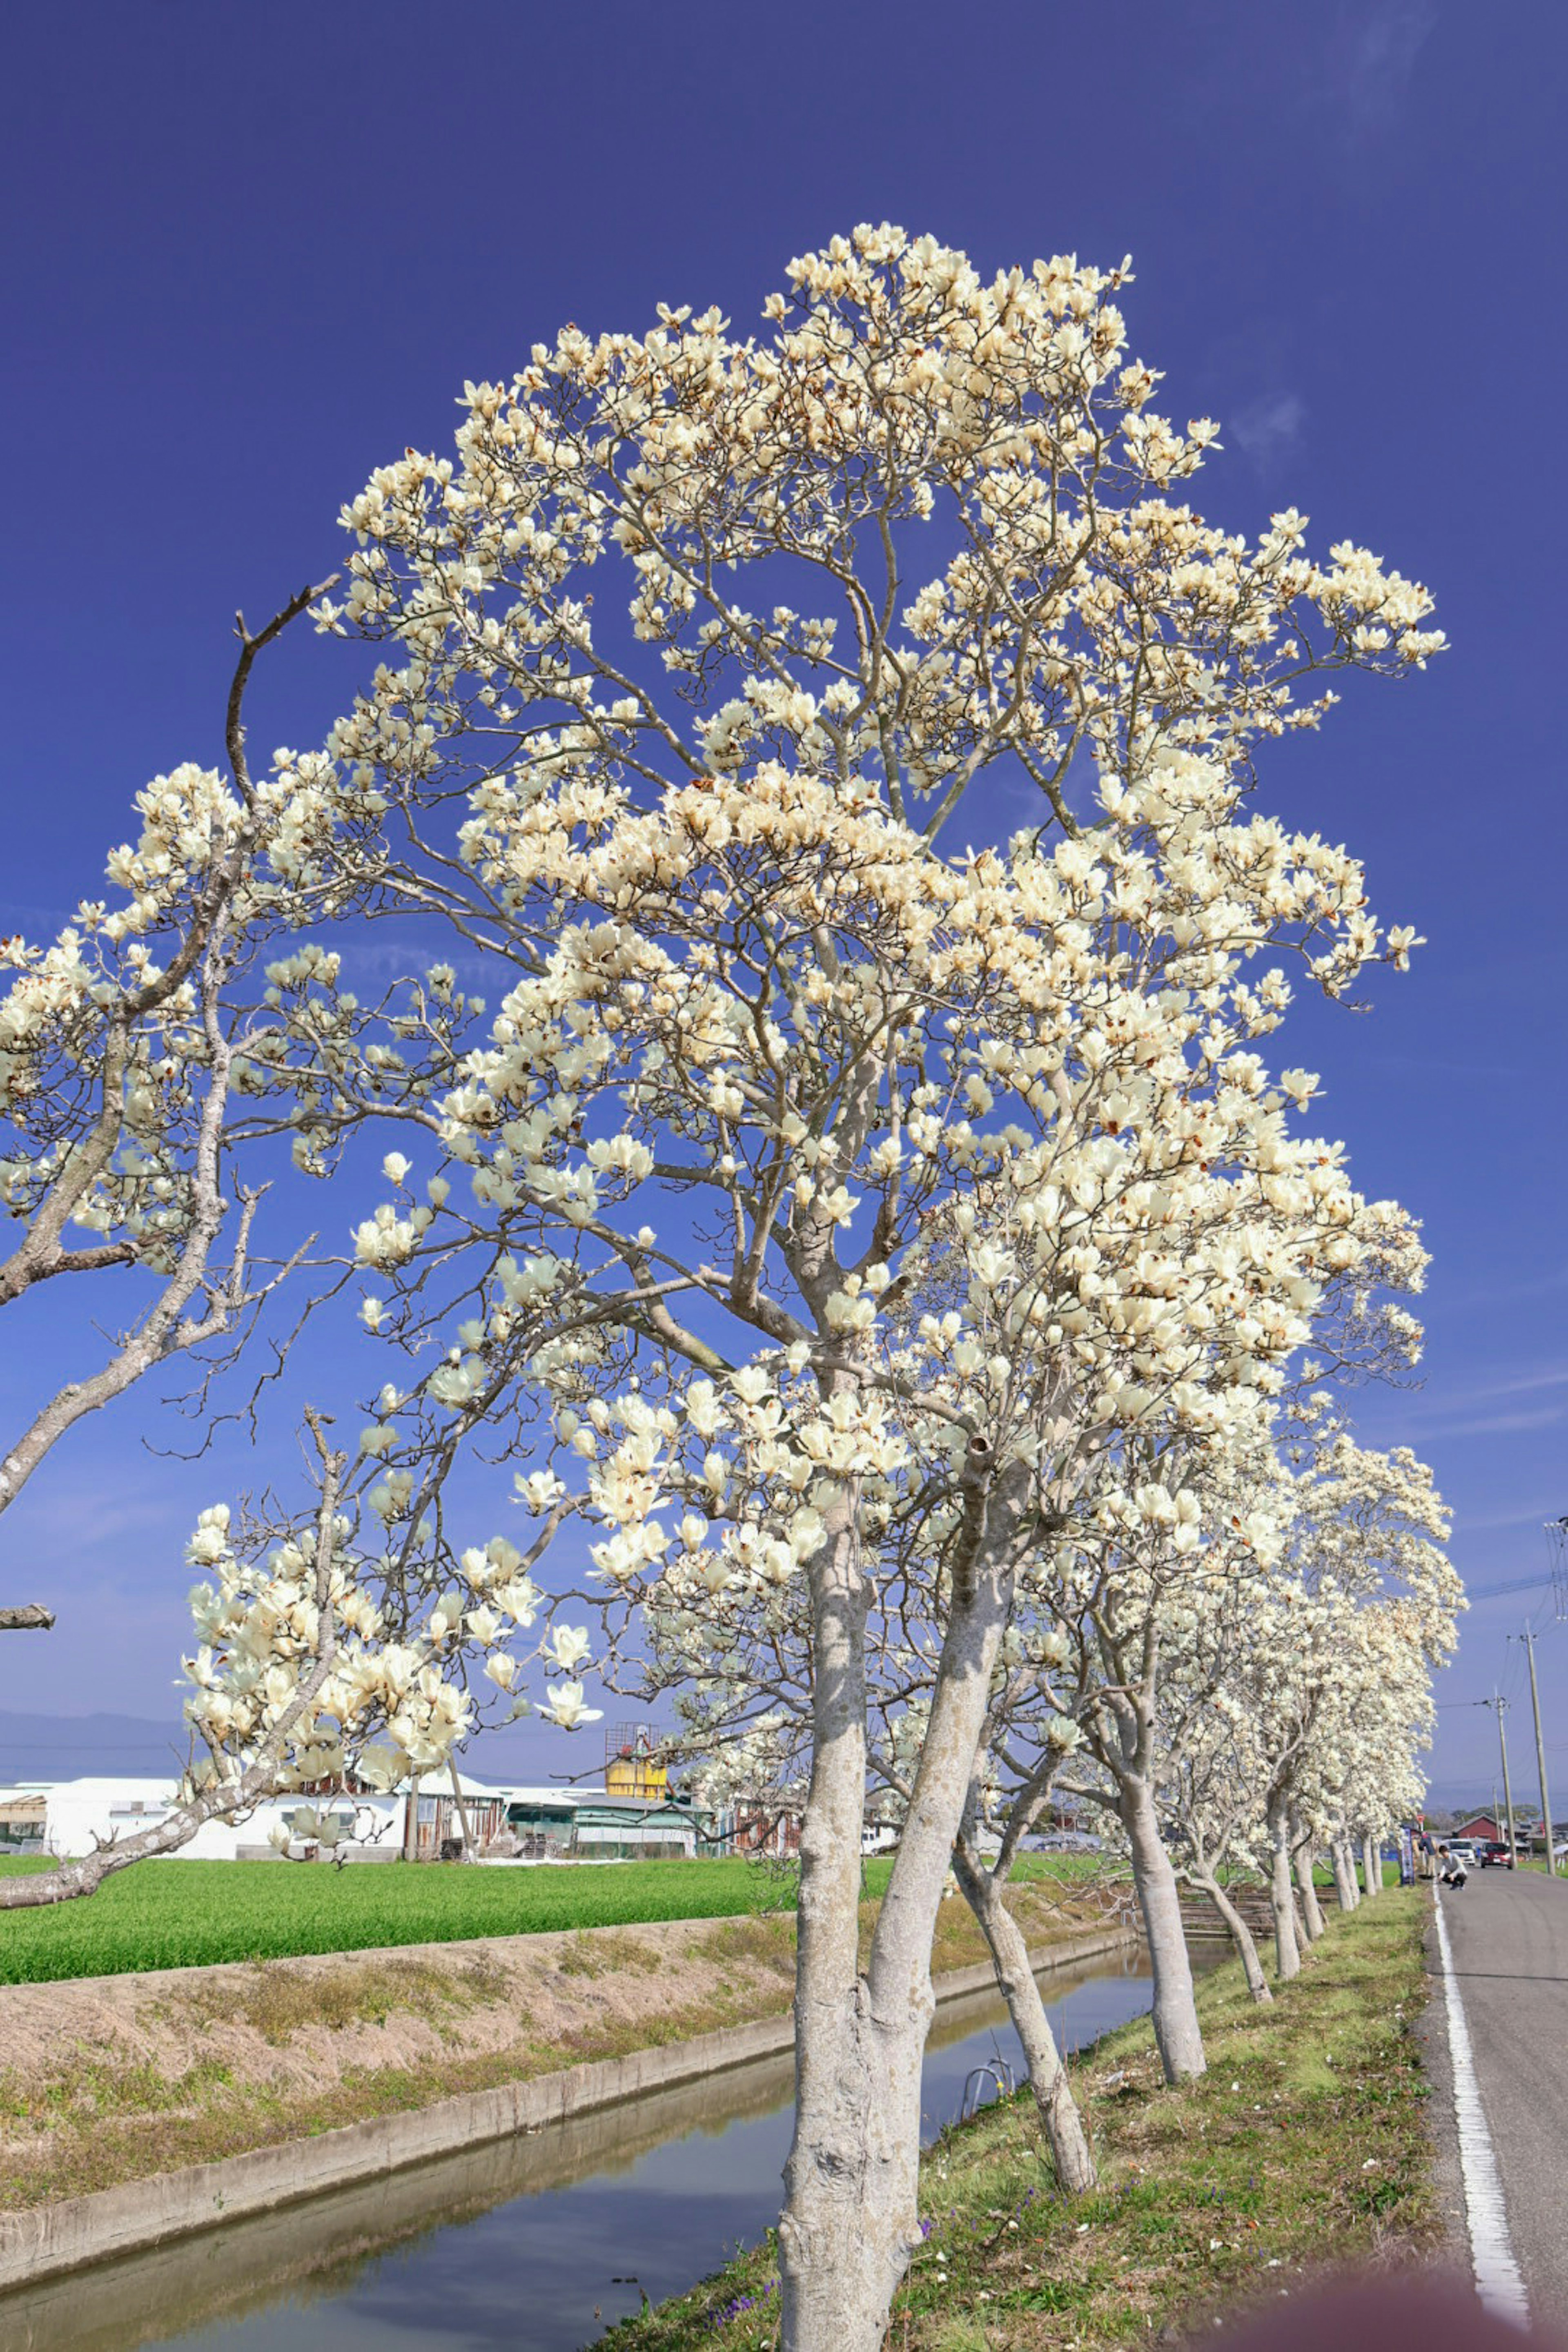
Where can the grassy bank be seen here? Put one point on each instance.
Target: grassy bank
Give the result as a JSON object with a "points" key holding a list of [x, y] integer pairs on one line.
{"points": [[1303, 2146], [107, 2081], [177, 1914]]}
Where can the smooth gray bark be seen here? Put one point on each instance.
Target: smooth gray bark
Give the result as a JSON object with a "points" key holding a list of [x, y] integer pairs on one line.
{"points": [[1240, 1935], [1372, 1865], [839, 2158], [1311, 1910], [851, 2215], [1177, 2033], [1057, 2109], [1286, 1952], [1346, 1892], [470, 1851]]}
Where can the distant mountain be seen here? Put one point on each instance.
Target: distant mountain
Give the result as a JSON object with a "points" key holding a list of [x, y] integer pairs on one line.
{"points": [[79, 1746]]}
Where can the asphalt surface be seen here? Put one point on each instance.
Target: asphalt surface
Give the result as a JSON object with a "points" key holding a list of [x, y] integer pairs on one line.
{"points": [[1507, 1931]]}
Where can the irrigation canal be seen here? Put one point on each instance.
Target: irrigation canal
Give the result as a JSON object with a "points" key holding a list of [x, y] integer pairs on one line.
{"points": [[535, 2243]]}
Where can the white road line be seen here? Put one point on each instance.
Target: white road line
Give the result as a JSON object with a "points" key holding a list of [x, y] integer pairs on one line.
{"points": [[1498, 2282]]}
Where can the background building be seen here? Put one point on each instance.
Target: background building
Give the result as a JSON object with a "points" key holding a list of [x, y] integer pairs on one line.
{"points": [[64, 1818]]}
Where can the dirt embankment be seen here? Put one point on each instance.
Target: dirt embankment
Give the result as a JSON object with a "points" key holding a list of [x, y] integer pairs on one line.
{"points": [[110, 2078]]}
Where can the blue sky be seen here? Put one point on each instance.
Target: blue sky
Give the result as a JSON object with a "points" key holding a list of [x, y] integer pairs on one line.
{"points": [[251, 254]]}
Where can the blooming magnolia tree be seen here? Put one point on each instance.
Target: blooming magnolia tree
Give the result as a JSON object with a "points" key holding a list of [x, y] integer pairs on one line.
{"points": [[741, 1683], [1375, 1532], [118, 1078], [153, 1060], [1155, 1591], [1253, 1655], [155, 1055], [1209, 1789], [879, 1192], [338, 1650], [1323, 1694], [862, 1234], [1167, 1554]]}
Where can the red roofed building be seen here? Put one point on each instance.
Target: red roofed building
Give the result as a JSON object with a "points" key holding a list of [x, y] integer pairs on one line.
{"points": [[1479, 1827]]}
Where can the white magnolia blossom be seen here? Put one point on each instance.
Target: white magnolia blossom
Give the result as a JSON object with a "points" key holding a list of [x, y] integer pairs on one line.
{"points": [[317, 1655]]}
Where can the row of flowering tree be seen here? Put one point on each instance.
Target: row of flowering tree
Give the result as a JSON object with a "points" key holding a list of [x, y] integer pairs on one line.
{"points": [[830, 1158]]}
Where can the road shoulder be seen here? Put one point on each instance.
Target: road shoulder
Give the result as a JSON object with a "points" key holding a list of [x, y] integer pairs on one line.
{"points": [[1431, 2035]]}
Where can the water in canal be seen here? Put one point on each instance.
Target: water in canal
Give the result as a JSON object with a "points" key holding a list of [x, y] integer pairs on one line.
{"points": [[535, 2243]]}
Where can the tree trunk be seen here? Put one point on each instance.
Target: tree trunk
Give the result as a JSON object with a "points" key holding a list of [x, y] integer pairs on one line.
{"points": [[411, 1822], [851, 2211], [1287, 1954], [1371, 1863], [850, 2216], [1059, 2117], [471, 1852], [1311, 1910], [1240, 1935], [1177, 2032], [1346, 1892], [843, 2236]]}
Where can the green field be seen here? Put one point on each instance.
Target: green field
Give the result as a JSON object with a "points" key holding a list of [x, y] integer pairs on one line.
{"points": [[173, 1915], [183, 1915]]}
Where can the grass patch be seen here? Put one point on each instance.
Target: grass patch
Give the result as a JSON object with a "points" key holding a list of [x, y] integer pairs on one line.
{"points": [[278, 2001], [603, 1954], [759, 1943], [1303, 2145]]}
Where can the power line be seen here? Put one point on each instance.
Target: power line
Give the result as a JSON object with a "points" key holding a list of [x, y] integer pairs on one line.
{"points": [[1556, 1575]]}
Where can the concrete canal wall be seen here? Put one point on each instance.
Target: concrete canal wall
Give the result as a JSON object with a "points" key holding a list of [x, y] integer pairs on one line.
{"points": [[44, 2241]]}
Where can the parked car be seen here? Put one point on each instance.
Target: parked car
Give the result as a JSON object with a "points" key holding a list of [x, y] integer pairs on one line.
{"points": [[1492, 1853], [1464, 1847]]}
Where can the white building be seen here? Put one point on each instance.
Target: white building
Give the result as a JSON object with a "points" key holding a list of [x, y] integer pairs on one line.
{"points": [[68, 1818], [79, 1815]]}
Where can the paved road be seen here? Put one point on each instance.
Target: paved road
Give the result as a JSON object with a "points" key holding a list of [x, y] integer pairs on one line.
{"points": [[1509, 1934]]}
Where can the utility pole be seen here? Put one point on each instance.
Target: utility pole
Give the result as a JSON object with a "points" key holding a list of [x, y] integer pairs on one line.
{"points": [[1540, 1754], [1500, 1703]]}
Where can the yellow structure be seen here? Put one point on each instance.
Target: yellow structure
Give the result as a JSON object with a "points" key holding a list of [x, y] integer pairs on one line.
{"points": [[629, 1767]]}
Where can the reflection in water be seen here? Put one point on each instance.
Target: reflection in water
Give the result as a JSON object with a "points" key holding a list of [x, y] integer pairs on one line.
{"points": [[536, 2243]]}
